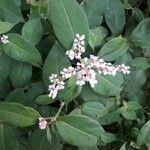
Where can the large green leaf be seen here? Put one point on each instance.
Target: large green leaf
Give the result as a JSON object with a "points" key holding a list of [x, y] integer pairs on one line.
{"points": [[20, 73], [83, 131], [109, 85], [17, 114], [5, 26], [94, 109], [5, 62], [143, 137], [94, 8], [68, 19], [32, 31], [54, 63], [114, 49], [19, 49], [5, 135], [141, 34], [10, 11], [115, 16]]}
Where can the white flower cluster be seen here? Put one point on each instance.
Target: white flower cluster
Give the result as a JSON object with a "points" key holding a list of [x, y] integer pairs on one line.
{"points": [[4, 39], [86, 69], [77, 48]]}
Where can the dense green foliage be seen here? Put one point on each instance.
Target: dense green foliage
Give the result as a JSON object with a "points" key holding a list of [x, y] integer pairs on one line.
{"points": [[115, 114]]}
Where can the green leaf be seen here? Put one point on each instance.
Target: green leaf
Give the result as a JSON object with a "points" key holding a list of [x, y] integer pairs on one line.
{"points": [[19, 49], [83, 131], [141, 34], [32, 31], [6, 134], [49, 136], [5, 88], [115, 16], [96, 36], [133, 21], [68, 19], [108, 85], [128, 111], [44, 100], [6, 26], [20, 74], [15, 95], [54, 63], [10, 11], [26, 95], [71, 91], [38, 141], [123, 147], [143, 137], [108, 138], [5, 62], [88, 94], [114, 49], [94, 8], [95, 109], [141, 63], [17, 114]]}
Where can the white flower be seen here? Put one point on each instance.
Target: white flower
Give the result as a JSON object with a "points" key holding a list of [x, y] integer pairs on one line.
{"points": [[124, 69], [53, 78], [77, 48], [94, 61], [42, 123], [55, 87], [86, 75], [67, 73], [70, 54], [4, 39], [79, 41]]}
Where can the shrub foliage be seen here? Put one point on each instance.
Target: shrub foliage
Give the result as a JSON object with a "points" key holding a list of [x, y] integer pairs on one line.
{"points": [[34, 37]]}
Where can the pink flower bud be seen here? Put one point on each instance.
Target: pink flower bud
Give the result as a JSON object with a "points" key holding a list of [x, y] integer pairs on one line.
{"points": [[42, 123]]}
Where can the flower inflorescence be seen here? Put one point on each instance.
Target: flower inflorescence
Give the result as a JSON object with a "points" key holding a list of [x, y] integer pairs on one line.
{"points": [[86, 68], [4, 39]]}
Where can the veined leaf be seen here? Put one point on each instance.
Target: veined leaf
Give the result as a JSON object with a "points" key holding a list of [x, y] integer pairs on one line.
{"points": [[32, 31], [68, 19], [114, 49], [115, 16], [10, 11], [5, 135], [141, 34], [20, 73], [6, 26], [108, 85], [17, 114], [19, 49], [143, 137], [94, 8], [83, 131]]}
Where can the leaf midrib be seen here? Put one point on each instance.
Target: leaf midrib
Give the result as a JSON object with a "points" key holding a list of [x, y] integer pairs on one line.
{"points": [[81, 131], [67, 16]]}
